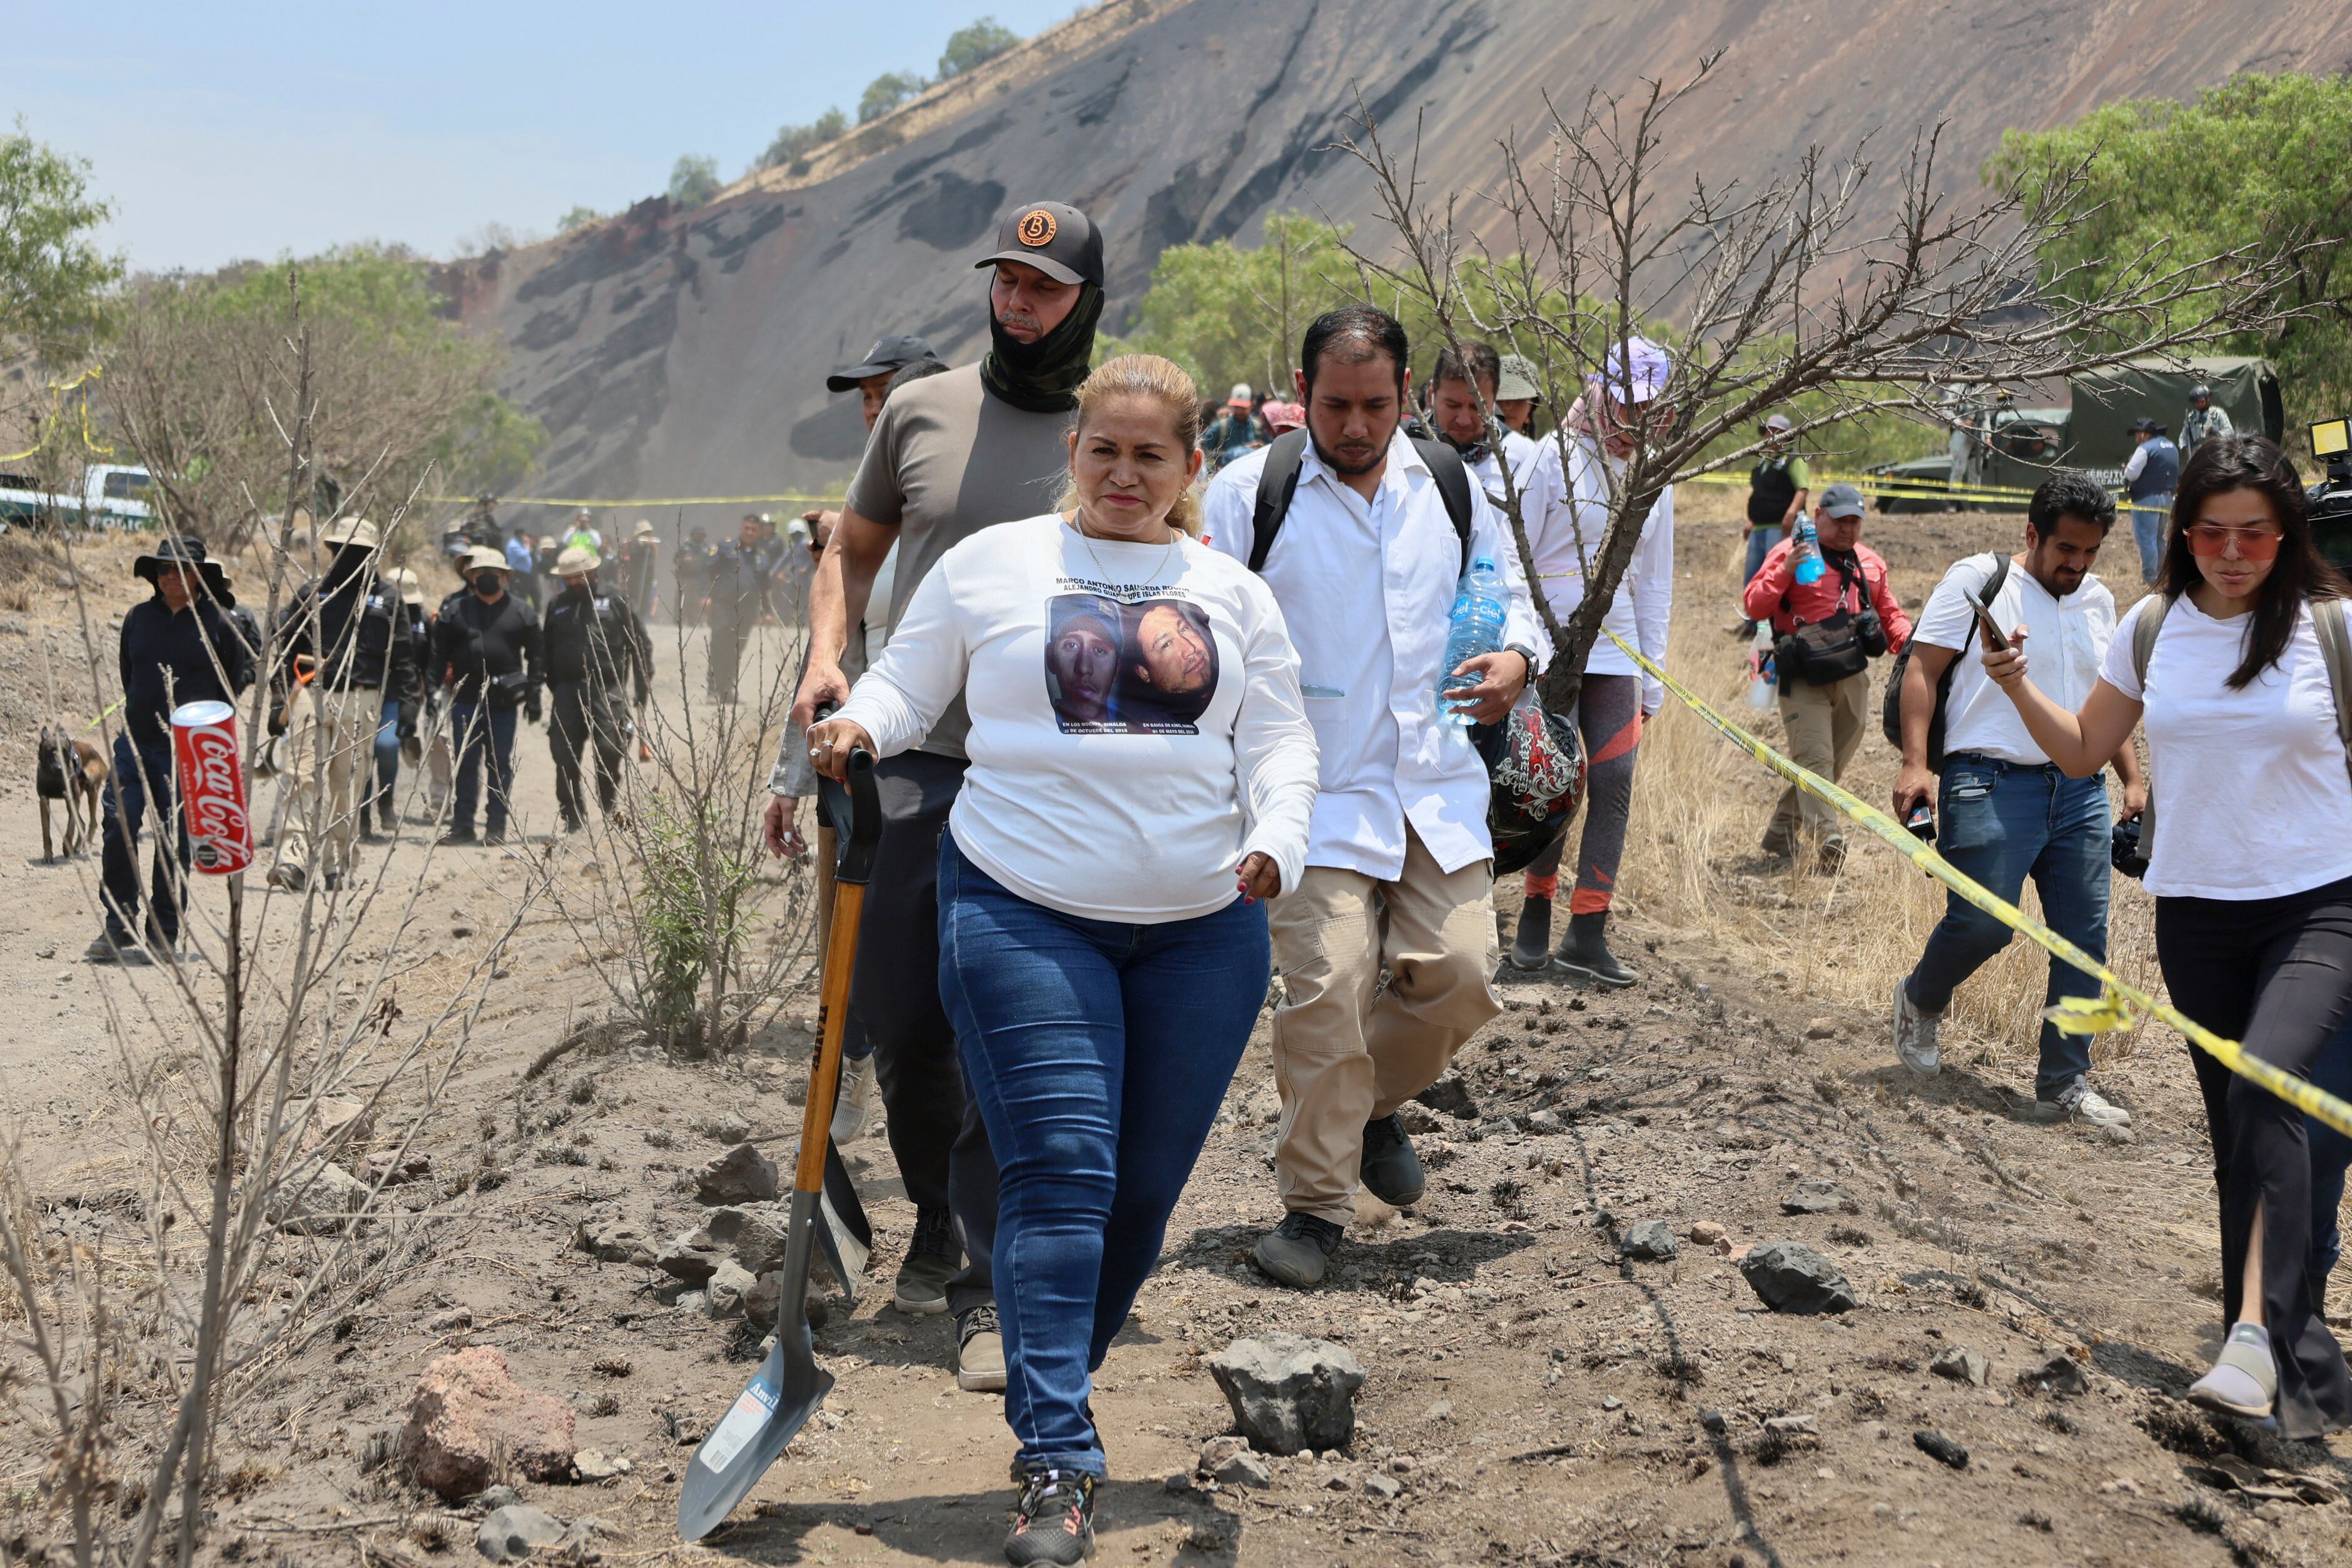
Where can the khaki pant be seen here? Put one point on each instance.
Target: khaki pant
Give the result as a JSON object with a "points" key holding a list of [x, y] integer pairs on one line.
{"points": [[1824, 726], [333, 767], [1346, 1049]]}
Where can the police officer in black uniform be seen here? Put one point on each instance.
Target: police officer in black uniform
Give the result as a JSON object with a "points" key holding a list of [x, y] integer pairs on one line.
{"points": [[690, 569], [343, 646], [739, 596], [485, 650], [595, 646]]}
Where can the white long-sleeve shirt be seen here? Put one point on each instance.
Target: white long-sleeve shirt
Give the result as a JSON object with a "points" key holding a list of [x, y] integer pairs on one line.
{"points": [[1136, 723], [1644, 602], [1367, 590]]}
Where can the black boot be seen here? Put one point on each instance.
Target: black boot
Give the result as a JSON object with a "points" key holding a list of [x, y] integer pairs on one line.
{"points": [[1531, 947], [1585, 953]]}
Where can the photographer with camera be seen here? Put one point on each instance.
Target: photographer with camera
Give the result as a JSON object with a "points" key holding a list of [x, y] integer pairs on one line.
{"points": [[1825, 633], [2004, 811]]}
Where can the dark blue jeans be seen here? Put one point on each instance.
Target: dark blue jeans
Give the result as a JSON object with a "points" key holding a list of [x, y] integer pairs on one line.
{"points": [[1999, 823], [387, 752], [471, 725], [1098, 1053], [1760, 545], [122, 810]]}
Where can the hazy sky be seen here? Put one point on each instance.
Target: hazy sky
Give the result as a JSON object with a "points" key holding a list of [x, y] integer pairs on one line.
{"points": [[221, 132]]}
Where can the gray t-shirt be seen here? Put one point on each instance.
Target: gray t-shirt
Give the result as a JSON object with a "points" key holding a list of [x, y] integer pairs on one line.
{"points": [[945, 461]]}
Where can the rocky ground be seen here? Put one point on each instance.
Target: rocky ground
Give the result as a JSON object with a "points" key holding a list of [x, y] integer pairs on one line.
{"points": [[2029, 1303]]}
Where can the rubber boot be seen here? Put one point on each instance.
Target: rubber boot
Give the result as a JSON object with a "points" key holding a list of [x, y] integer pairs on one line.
{"points": [[1585, 953], [1530, 947]]}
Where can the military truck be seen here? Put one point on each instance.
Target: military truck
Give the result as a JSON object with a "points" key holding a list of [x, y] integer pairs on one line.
{"points": [[2094, 434]]}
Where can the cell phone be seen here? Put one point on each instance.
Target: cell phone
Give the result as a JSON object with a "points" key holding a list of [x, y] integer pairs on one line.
{"points": [[1993, 635]]}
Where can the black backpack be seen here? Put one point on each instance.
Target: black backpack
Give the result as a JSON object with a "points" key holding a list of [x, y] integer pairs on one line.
{"points": [[1890, 711], [1277, 482]]}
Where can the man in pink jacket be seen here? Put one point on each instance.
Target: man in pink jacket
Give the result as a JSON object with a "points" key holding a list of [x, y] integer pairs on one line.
{"points": [[1825, 678]]}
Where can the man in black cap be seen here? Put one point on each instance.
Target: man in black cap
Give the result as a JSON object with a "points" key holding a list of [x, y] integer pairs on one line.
{"points": [[950, 454], [690, 568], [178, 646]]}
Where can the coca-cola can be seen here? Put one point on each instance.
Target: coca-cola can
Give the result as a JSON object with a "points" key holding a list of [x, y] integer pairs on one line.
{"points": [[212, 787]]}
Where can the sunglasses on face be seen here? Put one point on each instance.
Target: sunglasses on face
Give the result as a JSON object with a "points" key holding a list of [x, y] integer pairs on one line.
{"points": [[2253, 544]]}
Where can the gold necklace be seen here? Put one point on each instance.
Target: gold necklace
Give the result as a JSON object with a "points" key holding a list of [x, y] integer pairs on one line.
{"points": [[1078, 526]]}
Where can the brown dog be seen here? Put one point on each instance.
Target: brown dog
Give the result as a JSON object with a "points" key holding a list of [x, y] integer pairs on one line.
{"points": [[69, 770]]}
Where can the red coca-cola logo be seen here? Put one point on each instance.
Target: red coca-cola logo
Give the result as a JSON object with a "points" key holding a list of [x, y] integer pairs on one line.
{"points": [[212, 762]]}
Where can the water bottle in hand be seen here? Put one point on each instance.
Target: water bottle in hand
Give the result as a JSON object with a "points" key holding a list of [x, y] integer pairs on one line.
{"points": [[1805, 554], [1479, 603]]}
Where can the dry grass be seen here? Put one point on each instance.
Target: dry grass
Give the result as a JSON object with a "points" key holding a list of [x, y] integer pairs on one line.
{"points": [[1700, 807]]}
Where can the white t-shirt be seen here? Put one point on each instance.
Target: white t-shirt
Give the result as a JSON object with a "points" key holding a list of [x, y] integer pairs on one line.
{"points": [[1137, 726], [2068, 639], [2251, 796]]}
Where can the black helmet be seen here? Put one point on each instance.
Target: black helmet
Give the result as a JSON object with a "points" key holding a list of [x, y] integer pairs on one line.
{"points": [[2200, 393], [1535, 761]]}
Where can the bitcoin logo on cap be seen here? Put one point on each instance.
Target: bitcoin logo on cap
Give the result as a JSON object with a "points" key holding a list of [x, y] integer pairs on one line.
{"points": [[1037, 227]]}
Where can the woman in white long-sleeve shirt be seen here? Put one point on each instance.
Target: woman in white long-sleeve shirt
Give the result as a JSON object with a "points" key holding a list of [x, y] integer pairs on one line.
{"points": [[1143, 778]]}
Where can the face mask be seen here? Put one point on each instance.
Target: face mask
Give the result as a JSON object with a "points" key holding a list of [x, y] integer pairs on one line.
{"points": [[1043, 377], [487, 584]]}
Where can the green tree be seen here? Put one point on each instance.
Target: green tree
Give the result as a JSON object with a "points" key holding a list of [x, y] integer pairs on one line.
{"points": [[887, 93], [794, 142], [2259, 159], [54, 279], [693, 180], [1227, 314], [969, 47], [578, 217]]}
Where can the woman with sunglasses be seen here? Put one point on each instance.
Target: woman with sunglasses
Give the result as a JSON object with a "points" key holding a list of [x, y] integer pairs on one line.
{"points": [[2252, 874]]}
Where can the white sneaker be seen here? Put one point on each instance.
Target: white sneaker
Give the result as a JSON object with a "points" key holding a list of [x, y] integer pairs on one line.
{"points": [[853, 1102], [1914, 1035], [2078, 1098]]}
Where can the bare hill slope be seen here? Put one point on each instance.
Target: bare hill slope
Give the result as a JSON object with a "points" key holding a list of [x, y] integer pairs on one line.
{"points": [[685, 354]]}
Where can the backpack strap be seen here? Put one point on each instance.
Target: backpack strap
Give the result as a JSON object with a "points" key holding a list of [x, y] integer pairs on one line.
{"points": [[2328, 617], [1278, 484]]}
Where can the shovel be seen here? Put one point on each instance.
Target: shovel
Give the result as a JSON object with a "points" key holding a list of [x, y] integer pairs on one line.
{"points": [[825, 1214]]}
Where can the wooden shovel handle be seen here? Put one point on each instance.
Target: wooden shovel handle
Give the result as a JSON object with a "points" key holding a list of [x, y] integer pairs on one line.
{"points": [[857, 864]]}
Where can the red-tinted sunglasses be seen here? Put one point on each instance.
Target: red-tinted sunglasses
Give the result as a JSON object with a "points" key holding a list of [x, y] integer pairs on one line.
{"points": [[2253, 544]]}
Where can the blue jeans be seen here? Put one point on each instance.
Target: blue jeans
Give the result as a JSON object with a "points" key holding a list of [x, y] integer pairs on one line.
{"points": [[1099, 1052], [1998, 823], [1760, 545], [387, 751], [121, 811], [2149, 514], [2331, 1155], [470, 724]]}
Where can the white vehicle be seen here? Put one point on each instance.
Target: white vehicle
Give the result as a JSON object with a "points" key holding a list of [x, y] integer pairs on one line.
{"points": [[112, 495]]}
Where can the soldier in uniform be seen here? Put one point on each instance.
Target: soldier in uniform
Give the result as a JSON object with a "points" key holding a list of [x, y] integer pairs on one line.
{"points": [[2205, 420], [690, 569], [595, 648], [739, 584]]}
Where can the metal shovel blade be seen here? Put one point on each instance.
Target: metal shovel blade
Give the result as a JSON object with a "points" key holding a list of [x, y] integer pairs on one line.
{"points": [[842, 1231], [773, 1406]]}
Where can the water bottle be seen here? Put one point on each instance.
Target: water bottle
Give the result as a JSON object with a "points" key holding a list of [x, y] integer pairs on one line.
{"points": [[1805, 555], [1479, 602], [1760, 674]]}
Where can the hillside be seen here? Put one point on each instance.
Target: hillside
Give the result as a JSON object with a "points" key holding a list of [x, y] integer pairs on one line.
{"points": [[685, 354]]}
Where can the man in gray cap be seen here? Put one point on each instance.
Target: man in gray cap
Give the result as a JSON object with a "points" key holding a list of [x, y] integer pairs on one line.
{"points": [[2206, 420], [1516, 394], [950, 455], [1825, 696]]}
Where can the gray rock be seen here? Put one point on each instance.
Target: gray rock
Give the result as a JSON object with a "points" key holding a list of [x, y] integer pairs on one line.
{"points": [[725, 1290], [606, 1233], [1544, 1123], [1228, 1461], [1713, 1421], [595, 1465], [2056, 1372], [516, 1531], [752, 1234], [1651, 1239], [1450, 1096], [727, 1129], [1792, 1425], [1290, 1393], [1961, 1365], [490, 1500], [1417, 1118], [1818, 1198], [1790, 1277], [741, 1174], [1937, 1446], [1494, 1127], [760, 1301], [324, 1205], [1382, 1487]]}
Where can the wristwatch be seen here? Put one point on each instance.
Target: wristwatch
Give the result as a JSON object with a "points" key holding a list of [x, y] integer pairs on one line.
{"points": [[1525, 653]]}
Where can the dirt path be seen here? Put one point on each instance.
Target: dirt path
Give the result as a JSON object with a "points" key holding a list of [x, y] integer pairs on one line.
{"points": [[1533, 1396]]}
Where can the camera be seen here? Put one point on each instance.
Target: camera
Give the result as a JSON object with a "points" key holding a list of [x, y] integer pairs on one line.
{"points": [[2330, 500]]}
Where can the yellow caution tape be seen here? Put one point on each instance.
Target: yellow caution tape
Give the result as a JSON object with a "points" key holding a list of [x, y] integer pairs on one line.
{"points": [[2091, 1014], [595, 506], [1899, 489], [57, 391]]}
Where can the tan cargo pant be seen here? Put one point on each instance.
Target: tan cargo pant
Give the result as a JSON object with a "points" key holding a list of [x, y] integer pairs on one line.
{"points": [[1346, 1049], [333, 767], [1823, 728]]}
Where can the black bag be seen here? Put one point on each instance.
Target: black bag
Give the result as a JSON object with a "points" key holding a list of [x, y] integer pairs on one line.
{"points": [[1277, 482], [1829, 651], [1890, 712]]}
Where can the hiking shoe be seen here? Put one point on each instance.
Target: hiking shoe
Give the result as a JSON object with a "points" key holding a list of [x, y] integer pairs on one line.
{"points": [[288, 877], [2079, 1101], [932, 1257], [1531, 945], [1389, 1169], [853, 1101], [1585, 955], [1914, 1034], [457, 838], [2245, 1379], [1053, 1521], [1297, 1251], [1831, 858], [107, 950], [980, 1361]]}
